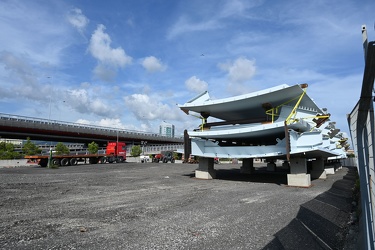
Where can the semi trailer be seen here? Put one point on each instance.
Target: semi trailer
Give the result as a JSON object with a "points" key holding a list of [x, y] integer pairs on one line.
{"points": [[115, 152]]}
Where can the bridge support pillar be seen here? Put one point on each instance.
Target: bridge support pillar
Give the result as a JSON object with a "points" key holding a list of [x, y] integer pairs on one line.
{"points": [[247, 166], [318, 171], [298, 176], [206, 169]]}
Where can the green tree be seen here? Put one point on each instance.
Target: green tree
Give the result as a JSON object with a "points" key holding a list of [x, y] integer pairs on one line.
{"points": [[136, 151], [93, 148], [176, 156], [29, 148], [7, 151], [61, 149]]}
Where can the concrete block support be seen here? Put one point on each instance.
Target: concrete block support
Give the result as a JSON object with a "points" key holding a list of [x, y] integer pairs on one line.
{"points": [[298, 176], [205, 169], [318, 171], [247, 166], [299, 180], [330, 169]]}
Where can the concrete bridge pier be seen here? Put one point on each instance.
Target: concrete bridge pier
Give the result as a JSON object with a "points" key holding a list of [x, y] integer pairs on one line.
{"points": [[298, 176], [205, 169], [318, 170], [247, 166]]}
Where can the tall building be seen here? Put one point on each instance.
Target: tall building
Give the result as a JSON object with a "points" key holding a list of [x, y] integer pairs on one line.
{"points": [[166, 129]]}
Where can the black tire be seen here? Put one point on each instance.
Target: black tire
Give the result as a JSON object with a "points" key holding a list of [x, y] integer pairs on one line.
{"points": [[64, 162], [111, 159], [120, 159], [55, 162], [73, 161], [172, 161], [103, 160], [165, 160]]}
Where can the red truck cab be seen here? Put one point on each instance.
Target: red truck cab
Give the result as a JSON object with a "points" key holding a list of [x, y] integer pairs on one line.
{"points": [[117, 149]]}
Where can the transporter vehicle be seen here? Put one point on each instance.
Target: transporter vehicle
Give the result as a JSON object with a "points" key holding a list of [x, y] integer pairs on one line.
{"points": [[164, 156], [115, 152]]}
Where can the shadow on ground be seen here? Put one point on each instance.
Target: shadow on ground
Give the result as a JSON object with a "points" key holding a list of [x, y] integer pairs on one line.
{"points": [[321, 223], [259, 176]]}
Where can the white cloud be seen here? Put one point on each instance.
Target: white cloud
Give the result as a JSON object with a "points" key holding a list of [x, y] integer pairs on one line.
{"points": [[184, 26], [153, 64], [104, 73], [100, 48], [81, 101], [108, 122], [146, 108], [108, 57], [196, 85], [217, 14], [117, 124], [32, 29], [105, 122], [235, 7], [19, 79], [77, 19], [240, 70]]}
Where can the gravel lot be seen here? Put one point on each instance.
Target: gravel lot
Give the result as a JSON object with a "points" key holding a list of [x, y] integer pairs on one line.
{"points": [[146, 206]]}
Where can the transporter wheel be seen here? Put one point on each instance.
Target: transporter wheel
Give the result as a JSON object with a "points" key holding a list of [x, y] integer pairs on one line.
{"points": [[64, 162], [55, 162], [73, 161], [103, 160]]}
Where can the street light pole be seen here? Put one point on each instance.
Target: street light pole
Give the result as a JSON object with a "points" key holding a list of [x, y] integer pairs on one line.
{"points": [[49, 121]]}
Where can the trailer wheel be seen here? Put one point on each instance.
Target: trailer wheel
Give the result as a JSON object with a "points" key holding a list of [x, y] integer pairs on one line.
{"points": [[73, 161], [55, 162], [103, 160], [64, 162], [120, 159]]}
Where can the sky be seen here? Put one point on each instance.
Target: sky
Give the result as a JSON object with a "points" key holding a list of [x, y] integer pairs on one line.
{"points": [[127, 64]]}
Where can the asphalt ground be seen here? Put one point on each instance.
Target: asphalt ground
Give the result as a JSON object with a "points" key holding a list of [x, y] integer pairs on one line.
{"points": [[146, 206]]}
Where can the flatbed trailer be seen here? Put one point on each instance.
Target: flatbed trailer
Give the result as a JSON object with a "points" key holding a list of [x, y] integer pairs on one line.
{"points": [[71, 160], [115, 152]]}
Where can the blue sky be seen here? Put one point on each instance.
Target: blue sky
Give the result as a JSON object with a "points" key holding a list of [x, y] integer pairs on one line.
{"points": [[127, 64]]}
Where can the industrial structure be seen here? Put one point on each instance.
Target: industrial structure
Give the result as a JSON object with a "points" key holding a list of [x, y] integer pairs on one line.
{"points": [[279, 123]]}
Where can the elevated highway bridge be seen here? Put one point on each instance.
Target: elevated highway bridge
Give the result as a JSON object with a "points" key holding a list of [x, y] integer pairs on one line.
{"points": [[21, 127]]}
